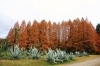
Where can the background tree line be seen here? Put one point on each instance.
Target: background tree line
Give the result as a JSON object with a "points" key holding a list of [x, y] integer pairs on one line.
{"points": [[76, 35]]}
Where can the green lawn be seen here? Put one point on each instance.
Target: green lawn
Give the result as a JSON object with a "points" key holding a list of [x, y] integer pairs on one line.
{"points": [[41, 62]]}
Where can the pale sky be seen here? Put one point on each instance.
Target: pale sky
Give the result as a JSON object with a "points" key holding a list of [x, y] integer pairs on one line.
{"points": [[12, 11]]}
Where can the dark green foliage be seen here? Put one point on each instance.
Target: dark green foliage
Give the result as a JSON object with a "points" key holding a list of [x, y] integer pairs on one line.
{"points": [[25, 54], [98, 29], [4, 45], [3, 49], [3, 55], [43, 53]]}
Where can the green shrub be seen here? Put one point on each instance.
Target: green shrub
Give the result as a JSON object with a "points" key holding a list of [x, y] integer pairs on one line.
{"points": [[3, 55], [1, 48], [43, 53], [25, 54]]}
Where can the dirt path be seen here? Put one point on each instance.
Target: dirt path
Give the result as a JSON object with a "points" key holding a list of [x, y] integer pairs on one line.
{"points": [[92, 62]]}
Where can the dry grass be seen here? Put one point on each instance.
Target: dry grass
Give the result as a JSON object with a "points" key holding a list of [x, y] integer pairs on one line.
{"points": [[40, 62], [81, 59]]}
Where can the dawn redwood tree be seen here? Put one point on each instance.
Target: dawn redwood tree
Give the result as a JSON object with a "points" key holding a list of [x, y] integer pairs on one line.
{"points": [[50, 35], [76, 35], [92, 38], [64, 34], [75, 44], [58, 34], [97, 45], [86, 43], [34, 34], [16, 32], [21, 33], [43, 35], [86, 37], [24, 38], [22, 27], [11, 35], [62, 40], [70, 36], [83, 37], [16, 25], [28, 28], [54, 35], [95, 40]]}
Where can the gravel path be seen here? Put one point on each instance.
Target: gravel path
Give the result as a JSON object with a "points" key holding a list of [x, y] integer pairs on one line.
{"points": [[93, 62]]}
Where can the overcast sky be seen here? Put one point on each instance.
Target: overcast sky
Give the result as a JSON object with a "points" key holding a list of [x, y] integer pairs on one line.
{"points": [[54, 10]]}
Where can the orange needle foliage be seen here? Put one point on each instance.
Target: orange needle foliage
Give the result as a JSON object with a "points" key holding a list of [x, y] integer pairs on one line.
{"points": [[76, 35]]}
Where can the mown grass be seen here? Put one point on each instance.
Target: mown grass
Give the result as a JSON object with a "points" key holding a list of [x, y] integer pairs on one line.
{"points": [[41, 62]]}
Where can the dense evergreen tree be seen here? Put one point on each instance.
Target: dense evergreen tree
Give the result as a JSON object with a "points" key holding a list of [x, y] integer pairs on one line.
{"points": [[98, 29]]}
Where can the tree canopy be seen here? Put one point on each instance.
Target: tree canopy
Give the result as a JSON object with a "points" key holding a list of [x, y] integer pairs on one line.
{"points": [[76, 35]]}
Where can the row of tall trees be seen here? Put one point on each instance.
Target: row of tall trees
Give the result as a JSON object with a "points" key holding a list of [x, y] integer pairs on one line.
{"points": [[76, 35]]}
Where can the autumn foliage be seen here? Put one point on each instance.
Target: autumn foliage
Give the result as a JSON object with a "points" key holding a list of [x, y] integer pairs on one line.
{"points": [[76, 35]]}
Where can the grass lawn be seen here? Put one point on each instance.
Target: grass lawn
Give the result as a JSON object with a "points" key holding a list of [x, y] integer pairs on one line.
{"points": [[41, 62]]}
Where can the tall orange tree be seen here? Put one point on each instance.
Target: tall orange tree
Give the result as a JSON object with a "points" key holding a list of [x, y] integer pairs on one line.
{"points": [[11, 35], [54, 33], [64, 34], [24, 39], [75, 38], [70, 36], [76, 35], [95, 40], [43, 35], [22, 27], [34, 34]]}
